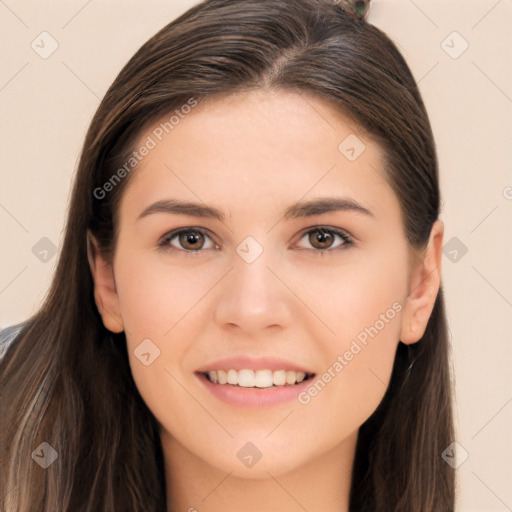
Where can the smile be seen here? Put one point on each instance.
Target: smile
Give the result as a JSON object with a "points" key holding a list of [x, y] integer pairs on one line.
{"points": [[261, 379], [254, 382]]}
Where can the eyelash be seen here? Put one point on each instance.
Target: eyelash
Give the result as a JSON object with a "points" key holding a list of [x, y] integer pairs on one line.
{"points": [[164, 243]]}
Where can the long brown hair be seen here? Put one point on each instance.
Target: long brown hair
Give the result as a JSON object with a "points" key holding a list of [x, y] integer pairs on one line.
{"points": [[66, 379]]}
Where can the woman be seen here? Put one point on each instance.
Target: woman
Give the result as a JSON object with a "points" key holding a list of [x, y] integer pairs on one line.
{"points": [[247, 313]]}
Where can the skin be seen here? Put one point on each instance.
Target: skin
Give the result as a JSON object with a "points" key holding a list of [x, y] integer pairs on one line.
{"points": [[252, 155]]}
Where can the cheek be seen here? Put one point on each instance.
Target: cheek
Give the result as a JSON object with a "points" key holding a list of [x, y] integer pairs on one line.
{"points": [[155, 295], [159, 302], [361, 303], [349, 295]]}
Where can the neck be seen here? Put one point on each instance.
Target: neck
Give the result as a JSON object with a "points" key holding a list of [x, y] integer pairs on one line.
{"points": [[319, 484]]}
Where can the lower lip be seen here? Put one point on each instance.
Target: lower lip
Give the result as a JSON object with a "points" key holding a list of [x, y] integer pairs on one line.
{"points": [[251, 397]]}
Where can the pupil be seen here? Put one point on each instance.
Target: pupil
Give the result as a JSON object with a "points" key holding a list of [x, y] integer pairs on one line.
{"points": [[191, 238], [323, 238]]}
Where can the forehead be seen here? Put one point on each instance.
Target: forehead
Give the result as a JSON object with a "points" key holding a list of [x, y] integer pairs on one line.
{"points": [[258, 146]]}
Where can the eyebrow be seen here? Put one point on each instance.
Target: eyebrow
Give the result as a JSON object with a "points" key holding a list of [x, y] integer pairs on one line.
{"points": [[300, 209], [324, 205]]}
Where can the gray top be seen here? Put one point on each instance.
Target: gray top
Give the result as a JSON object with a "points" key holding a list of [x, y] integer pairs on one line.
{"points": [[7, 336]]}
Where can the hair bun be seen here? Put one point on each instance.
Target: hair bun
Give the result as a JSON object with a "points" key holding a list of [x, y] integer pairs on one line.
{"points": [[356, 8]]}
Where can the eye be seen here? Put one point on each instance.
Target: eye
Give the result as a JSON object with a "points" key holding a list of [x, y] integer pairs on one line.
{"points": [[194, 240], [187, 240], [322, 239]]}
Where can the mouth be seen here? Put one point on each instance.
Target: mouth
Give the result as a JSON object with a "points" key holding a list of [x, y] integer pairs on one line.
{"points": [[254, 382], [257, 379]]}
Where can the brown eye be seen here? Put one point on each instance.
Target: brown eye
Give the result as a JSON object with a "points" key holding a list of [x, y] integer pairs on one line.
{"points": [[187, 240], [191, 240], [321, 239]]}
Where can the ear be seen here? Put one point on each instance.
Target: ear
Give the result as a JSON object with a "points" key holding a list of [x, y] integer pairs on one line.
{"points": [[424, 284], [105, 293]]}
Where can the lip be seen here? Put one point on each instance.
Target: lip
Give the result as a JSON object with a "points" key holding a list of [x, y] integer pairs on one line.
{"points": [[250, 363], [251, 397]]}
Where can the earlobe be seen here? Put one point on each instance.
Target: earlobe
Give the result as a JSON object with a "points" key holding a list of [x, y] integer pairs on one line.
{"points": [[423, 288], [105, 292]]}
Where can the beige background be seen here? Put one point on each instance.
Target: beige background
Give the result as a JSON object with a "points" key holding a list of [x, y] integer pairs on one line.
{"points": [[46, 105]]}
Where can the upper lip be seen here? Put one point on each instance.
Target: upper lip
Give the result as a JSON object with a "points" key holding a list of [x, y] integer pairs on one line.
{"points": [[253, 363]]}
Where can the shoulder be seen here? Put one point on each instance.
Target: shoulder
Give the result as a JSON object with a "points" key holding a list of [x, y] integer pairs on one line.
{"points": [[7, 336]]}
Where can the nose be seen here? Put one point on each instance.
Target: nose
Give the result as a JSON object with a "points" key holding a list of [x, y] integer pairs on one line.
{"points": [[253, 296]]}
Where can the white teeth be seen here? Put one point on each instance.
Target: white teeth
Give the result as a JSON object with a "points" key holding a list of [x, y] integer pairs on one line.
{"points": [[246, 379], [290, 377], [279, 378], [260, 378], [264, 379]]}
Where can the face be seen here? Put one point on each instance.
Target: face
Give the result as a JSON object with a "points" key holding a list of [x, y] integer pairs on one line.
{"points": [[290, 278]]}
